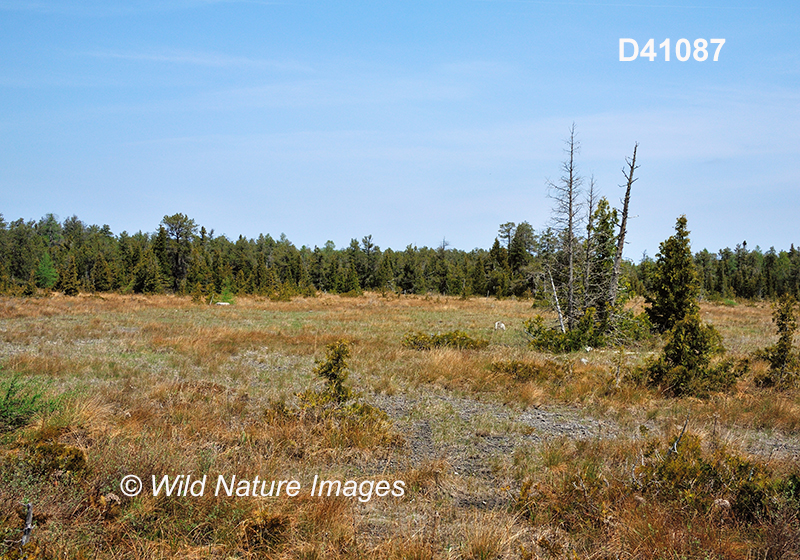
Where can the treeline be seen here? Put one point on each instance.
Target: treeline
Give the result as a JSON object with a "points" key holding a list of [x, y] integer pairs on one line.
{"points": [[738, 273], [182, 257]]}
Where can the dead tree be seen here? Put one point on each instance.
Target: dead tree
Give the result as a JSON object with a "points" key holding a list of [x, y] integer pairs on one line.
{"points": [[628, 172], [566, 193]]}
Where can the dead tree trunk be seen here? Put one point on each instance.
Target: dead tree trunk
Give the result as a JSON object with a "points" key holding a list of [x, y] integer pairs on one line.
{"points": [[566, 193], [629, 180]]}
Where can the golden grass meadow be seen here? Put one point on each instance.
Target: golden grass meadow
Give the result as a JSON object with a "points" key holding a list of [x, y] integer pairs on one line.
{"points": [[502, 451]]}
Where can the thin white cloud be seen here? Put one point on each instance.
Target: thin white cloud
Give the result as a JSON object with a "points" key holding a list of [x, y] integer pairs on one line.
{"points": [[202, 59], [712, 6], [111, 8]]}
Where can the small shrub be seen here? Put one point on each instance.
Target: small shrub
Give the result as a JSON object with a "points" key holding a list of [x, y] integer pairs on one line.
{"points": [[584, 333], [19, 403], [600, 490], [687, 474], [227, 292], [334, 370], [627, 328], [783, 360], [48, 456], [453, 339], [198, 296], [684, 366]]}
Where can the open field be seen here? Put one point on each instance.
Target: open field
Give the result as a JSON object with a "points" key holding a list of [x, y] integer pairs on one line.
{"points": [[564, 460]]}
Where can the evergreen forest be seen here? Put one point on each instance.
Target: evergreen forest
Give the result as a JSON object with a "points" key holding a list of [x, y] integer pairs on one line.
{"points": [[182, 257]]}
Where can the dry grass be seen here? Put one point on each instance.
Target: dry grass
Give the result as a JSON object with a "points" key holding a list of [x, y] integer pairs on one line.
{"points": [[157, 385]]}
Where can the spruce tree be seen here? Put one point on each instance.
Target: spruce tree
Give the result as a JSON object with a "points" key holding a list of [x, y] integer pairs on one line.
{"points": [[147, 278], [350, 283], [5, 279], [69, 280], [385, 275], [102, 275], [30, 286], [675, 281], [46, 274], [783, 359]]}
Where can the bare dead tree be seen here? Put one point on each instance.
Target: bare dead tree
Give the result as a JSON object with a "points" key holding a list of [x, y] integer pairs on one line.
{"points": [[628, 172], [566, 193]]}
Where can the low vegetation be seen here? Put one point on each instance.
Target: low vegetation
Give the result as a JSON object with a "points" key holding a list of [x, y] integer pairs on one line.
{"points": [[96, 388], [455, 339]]}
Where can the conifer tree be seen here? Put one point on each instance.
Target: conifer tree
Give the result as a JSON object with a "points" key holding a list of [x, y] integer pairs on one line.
{"points": [[350, 283], [69, 280], [30, 286], [675, 281], [180, 230], [147, 277], [601, 249], [784, 361], [519, 251], [385, 274], [273, 285], [5, 279], [160, 250], [102, 275], [46, 274], [477, 276]]}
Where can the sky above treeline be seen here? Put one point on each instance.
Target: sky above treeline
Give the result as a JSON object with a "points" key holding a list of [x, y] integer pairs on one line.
{"points": [[410, 121]]}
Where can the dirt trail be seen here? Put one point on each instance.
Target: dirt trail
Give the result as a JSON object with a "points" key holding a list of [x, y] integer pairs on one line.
{"points": [[473, 436]]}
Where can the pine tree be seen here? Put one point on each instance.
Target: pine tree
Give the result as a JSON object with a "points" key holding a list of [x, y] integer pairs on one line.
{"points": [[350, 283], [784, 361], [69, 280], [102, 275], [477, 276], [147, 278], [180, 230], [46, 274], [5, 279], [30, 286], [675, 281], [385, 275], [600, 256]]}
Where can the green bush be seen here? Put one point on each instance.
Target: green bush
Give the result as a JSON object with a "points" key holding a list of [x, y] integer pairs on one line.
{"points": [[626, 328], [686, 474], [334, 370], [617, 327], [586, 332], [783, 360], [19, 402], [454, 339], [684, 366], [588, 483]]}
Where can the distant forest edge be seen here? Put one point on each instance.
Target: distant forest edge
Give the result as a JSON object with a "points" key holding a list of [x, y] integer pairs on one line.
{"points": [[184, 258]]}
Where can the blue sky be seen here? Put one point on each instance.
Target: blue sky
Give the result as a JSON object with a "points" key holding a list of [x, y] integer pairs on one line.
{"points": [[410, 121]]}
